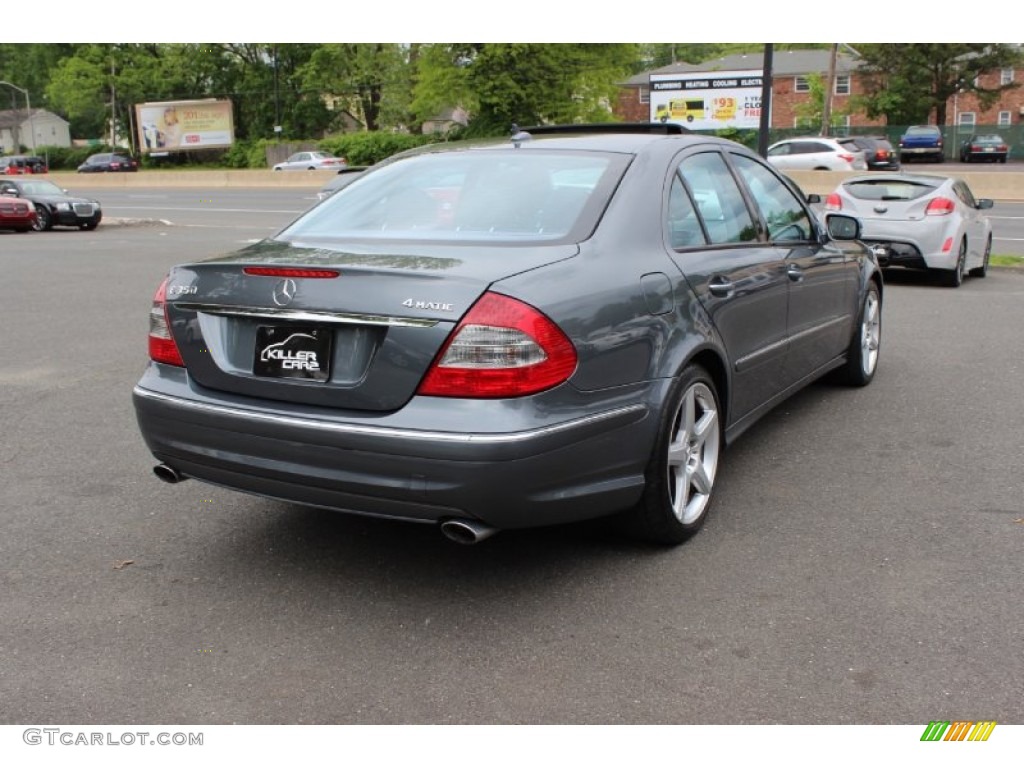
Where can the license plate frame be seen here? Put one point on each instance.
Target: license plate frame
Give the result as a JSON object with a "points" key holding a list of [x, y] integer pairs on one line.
{"points": [[293, 352]]}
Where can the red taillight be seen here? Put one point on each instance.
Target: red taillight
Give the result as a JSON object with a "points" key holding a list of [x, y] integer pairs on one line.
{"points": [[833, 202], [940, 206], [881, 154], [975, 148], [290, 272], [1001, 148], [501, 348], [847, 158], [947, 246], [162, 348]]}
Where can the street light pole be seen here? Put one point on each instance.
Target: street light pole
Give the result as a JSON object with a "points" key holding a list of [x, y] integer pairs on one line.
{"points": [[28, 108]]}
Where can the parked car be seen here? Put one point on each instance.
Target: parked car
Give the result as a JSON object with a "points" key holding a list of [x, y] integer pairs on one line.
{"points": [[109, 162], [988, 146], [345, 177], [516, 334], [815, 154], [311, 161], [19, 215], [920, 221], [879, 153], [18, 165], [54, 206], [922, 142]]}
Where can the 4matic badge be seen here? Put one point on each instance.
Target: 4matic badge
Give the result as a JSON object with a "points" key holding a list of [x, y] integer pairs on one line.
{"points": [[440, 306]]}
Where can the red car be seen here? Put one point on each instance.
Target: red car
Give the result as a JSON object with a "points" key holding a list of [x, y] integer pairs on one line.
{"points": [[17, 165], [17, 214]]}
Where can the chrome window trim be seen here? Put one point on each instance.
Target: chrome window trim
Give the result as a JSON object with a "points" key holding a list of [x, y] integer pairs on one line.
{"points": [[305, 315]]}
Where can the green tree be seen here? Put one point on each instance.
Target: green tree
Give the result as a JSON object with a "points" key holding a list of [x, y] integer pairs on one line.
{"points": [[526, 83], [907, 83], [373, 78], [810, 113]]}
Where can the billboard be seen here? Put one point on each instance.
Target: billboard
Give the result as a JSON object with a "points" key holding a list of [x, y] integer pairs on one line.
{"points": [[708, 101], [176, 126]]}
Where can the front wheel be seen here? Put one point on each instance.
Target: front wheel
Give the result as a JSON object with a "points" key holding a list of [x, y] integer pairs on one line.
{"points": [[44, 220], [862, 354], [682, 468]]}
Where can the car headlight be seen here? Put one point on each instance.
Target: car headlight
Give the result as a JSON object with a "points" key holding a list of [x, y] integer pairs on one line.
{"points": [[63, 206]]}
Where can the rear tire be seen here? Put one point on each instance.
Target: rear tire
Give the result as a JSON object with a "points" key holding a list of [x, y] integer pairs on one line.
{"points": [[954, 278], [982, 271], [683, 465]]}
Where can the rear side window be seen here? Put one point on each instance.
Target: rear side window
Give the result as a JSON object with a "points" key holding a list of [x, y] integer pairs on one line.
{"points": [[889, 190], [507, 195], [719, 201]]}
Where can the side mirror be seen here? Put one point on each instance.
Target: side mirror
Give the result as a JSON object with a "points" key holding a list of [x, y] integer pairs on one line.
{"points": [[841, 227], [985, 203]]}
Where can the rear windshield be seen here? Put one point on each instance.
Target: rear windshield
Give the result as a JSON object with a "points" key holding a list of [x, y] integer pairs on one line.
{"points": [[899, 189], [922, 130], [505, 195]]}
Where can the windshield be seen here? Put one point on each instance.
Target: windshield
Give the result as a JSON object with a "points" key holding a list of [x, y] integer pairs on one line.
{"points": [[41, 188], [468, 195]]}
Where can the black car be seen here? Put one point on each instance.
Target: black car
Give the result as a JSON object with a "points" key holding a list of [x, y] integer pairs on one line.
{"points": [[566, 325], [879, 153], [54, 206], [988, 147], [109, 162]]}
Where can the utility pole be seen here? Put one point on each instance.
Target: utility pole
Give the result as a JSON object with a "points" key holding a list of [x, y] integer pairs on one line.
{"points": [[766, 101]]}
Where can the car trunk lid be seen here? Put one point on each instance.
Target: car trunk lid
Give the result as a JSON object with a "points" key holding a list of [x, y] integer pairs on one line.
{"points": [[354, 328]]}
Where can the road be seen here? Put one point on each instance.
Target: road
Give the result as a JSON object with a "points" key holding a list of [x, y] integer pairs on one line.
{"points": [[862, 563], [266, 210]]}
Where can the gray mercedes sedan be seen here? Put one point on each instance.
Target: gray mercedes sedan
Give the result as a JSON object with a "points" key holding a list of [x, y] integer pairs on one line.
{"points": [[563, 326]]}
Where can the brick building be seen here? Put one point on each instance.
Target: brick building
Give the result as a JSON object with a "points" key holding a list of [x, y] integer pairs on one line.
{"points": [[790, 84], [790, 88]]}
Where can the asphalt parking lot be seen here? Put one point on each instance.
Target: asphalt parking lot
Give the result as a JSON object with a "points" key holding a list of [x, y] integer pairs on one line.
{"points": [[862, 563]]}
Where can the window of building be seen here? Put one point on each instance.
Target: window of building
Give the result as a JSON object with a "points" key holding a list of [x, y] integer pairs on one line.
{"points": [[842, 85], [800, 84], [645, 94], [967, 118], [1006, 76], [1004, 118]]}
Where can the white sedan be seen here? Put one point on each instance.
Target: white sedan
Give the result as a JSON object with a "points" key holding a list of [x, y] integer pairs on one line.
{"points": [[312, 161], [919, 221], [817, 153]]}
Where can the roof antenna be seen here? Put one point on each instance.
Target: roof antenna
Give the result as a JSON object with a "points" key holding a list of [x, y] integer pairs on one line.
{"points": [[519, 136]]}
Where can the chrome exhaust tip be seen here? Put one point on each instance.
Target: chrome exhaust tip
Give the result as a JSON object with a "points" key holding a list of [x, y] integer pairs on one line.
{"points": [[467, 531], [168, 474]]}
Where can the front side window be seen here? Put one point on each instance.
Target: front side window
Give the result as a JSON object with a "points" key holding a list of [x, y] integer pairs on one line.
{"points": [[786, 217], [718, 198]]}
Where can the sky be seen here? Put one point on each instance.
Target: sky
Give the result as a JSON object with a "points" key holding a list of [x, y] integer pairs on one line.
{"points": [[518, 21]]}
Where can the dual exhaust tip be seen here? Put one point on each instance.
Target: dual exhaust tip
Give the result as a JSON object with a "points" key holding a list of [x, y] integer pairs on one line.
{"points": [[458, 530]]}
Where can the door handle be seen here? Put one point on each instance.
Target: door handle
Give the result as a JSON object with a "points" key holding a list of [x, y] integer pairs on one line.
{"points": [[794, 273], [721, 287]]}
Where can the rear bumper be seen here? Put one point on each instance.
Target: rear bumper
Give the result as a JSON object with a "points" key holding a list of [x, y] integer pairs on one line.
{"points": [[529, 474], [915, 244]]}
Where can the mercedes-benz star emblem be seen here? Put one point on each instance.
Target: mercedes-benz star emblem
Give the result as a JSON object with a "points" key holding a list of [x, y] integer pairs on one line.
{"points": [[284, 292]]}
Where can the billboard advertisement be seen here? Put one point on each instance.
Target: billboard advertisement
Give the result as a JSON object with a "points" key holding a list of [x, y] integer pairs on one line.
{"points": [[708, 101], [176, 126]]}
